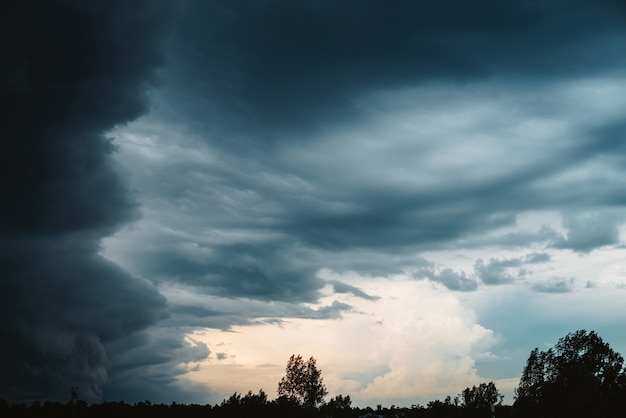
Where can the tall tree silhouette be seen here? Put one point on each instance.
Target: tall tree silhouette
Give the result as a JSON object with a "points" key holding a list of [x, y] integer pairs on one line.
{"points": [[302, 384], [481, 396], [580, 376]]}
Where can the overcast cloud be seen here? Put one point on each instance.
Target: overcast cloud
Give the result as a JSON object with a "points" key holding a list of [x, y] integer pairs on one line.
{"points": [[442, 179]]}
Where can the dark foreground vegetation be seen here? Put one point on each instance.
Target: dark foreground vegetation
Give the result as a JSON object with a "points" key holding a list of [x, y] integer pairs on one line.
{"points": [[269, 409], [581, 376]]}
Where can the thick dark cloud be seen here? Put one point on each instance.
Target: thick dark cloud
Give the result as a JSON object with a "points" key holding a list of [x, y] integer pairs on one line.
{"points": [[269, 271], [209, 311], [148, 366], [71, 71], [286, 65], [78, 70], [389, 218], [61, 303]]}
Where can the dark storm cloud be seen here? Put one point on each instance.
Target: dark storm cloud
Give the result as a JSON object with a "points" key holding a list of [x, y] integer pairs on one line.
{"points": [[241, 73], [244, 73], [265, 271], [395, 218], [149, 363], [78, 79], [192, 308], [237, 218], [71, 71], [276, 65]]}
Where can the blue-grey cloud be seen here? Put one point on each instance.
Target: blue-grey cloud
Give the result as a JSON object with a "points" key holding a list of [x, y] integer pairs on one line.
{"points": [[537, 258], [289, 64], [340, 287], [554, 285], [497, 271], [332, 311], [588, 230], [453, 280], [243, 270]]}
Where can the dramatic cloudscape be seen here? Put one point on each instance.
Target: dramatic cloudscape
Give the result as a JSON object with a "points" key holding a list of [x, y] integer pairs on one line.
{"points": [[416, 193]]}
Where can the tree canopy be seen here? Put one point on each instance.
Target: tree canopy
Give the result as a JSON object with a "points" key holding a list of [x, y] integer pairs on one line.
{"points": [[580, 376], [302, 384], [481, 396]]}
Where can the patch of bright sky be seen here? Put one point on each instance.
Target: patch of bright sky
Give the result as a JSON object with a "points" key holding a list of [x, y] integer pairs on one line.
{"points": [[414, 344]]}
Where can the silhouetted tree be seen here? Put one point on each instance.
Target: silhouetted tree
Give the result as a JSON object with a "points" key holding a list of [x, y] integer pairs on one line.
{"points": [[477, 400], [580, 376], [302, 384], [234, 400], [254, 400], [481, 396], [441, 409], [339, 406], [251, 404]]}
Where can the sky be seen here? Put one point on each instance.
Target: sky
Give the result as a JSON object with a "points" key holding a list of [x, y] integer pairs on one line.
{"points": [[416, 193]]}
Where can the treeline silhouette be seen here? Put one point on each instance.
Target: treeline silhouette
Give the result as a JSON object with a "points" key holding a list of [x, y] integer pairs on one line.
{"points": [[434, 409], [580, 376]]}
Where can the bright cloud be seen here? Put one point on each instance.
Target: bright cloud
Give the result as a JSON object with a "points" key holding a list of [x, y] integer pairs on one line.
{"points": [[415, 343]]}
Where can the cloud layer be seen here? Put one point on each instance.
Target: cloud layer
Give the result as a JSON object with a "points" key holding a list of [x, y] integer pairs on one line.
{"points": [[181, 170], [475, 146]]}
